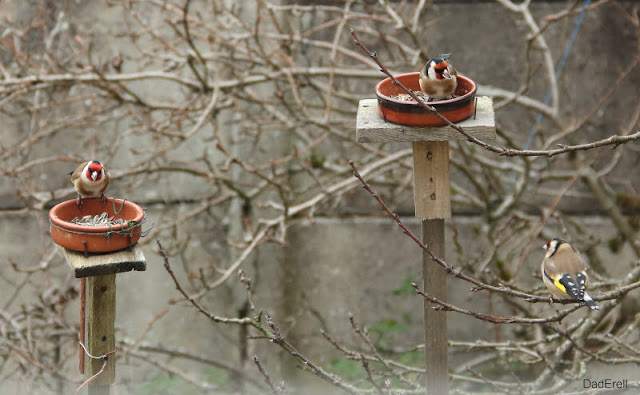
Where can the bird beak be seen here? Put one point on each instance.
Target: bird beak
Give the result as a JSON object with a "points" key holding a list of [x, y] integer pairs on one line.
{"points": [[446, 74], [94, 175], [544, 247]]}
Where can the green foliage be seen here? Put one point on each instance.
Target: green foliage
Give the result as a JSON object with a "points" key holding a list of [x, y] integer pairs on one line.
{"points": [[172, 385], [412, 358], [167, 385], [631, 206], [614, 245], [387, 326], [217, 377], [629, 203], [347, 369], [317, 161], [406, 287], [503, 273]]}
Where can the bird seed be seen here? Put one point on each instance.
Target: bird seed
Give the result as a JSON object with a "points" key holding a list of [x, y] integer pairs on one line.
{"points": [[421, 95], [98, 220]]}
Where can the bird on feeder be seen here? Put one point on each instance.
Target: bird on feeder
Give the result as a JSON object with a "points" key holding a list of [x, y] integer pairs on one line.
{"points": [[90, 179], [564, 274], [438, 78]]}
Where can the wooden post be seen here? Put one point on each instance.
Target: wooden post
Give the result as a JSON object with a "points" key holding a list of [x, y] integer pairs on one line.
{"points": [[431, 179], [98, 301], [100, 331], [432, 205], [435, 322]]}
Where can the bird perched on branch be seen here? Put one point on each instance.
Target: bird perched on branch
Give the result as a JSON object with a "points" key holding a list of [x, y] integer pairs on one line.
{"points": [[438, 78], [564, 274], [90, 179]]}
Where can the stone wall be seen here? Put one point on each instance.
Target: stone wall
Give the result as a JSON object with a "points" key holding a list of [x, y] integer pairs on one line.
{"points": [[345, 258]]}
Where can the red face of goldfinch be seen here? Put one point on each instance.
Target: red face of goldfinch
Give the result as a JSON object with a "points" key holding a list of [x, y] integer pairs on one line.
{"points": [[441, 69], [90, 179], [94, 170], [438, 78]]}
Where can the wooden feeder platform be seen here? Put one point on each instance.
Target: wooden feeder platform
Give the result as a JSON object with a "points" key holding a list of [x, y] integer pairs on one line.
{"points": [[97, 264], [372, 128]]}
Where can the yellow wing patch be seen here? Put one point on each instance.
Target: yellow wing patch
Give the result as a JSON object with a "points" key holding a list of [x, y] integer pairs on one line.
{"points": [[559, 286]]}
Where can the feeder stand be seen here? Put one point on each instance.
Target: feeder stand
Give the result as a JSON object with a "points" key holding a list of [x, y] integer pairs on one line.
{"points": [[98, 308], [432, 206]]}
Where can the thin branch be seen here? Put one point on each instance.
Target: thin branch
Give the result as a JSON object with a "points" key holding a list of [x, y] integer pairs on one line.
{"points": [[444, 306], [275, 390]]}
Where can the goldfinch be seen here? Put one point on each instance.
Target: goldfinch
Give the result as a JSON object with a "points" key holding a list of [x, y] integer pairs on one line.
{"points": [[438, 78], [90, 179], [564, 274]]}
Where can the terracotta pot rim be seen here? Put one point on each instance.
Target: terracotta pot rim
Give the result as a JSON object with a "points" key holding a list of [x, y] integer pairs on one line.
{"points": [[66, 226], [439, 103], [411, 113]]}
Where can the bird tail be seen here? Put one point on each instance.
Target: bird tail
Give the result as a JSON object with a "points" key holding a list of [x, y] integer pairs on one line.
{"points": [[592, 305]]}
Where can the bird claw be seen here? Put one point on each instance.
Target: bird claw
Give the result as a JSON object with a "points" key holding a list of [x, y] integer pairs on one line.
{"points": [[104, 199], [79, 201], [550, 300]]}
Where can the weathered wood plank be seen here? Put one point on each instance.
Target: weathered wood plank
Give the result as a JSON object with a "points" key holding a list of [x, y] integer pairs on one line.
{"points": [[100, 328], [431, 179], [95, 264], [370, 127], [435, 322]]}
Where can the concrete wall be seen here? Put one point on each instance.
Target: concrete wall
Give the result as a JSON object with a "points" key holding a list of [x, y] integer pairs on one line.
{"points": [[348, 259]]}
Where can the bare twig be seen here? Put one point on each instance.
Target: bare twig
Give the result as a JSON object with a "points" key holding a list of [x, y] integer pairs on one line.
{"points": [[275, 390]]}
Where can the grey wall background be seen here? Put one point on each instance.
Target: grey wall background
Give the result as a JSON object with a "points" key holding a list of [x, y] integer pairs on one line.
{"points": [[343, 257]]}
